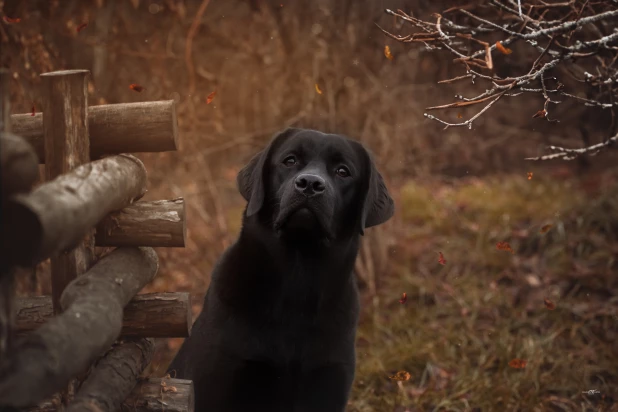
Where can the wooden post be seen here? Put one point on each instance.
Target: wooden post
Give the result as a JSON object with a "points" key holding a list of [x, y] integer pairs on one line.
{"points": [[6, 273], [67, 146]]}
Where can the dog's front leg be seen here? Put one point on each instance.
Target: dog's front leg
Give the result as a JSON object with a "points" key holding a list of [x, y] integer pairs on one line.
{"points": [[325, 389]]}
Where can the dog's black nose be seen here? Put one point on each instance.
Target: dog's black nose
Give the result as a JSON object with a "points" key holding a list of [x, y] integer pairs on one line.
{"points": [[310, 185]]}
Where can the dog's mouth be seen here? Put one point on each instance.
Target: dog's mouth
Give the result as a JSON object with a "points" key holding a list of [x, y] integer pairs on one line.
{"points": [[303, 218]]}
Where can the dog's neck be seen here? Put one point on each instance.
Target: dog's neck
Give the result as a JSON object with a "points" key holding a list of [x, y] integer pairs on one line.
{"points": [[298, 250]]}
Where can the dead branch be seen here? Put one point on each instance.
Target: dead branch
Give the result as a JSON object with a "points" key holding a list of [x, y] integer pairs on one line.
{"points": [[569, 36], [46, 359]]}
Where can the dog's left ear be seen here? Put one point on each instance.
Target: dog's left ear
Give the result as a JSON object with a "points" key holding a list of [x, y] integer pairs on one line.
{"points": [[378, 206], [250, 179]]}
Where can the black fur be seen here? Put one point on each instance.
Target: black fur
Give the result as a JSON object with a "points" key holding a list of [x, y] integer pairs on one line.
{"points": [[279, 321]]}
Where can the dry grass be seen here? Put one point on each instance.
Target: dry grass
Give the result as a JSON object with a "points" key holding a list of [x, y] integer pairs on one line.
{"points": [[464, 321]]}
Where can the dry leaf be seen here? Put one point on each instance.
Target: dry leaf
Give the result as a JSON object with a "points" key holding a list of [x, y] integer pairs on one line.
{"points": [[502, 49], [504, 246], [459, 115], [136, 87], [400, 376], [317, 89], [441, 259], [404, 298], [530, 175], [81, 27], [541, 114], [211, 97], [549, 304], [546, 228], [387, 52], [33, 111], [518, 363], [10, 20]]}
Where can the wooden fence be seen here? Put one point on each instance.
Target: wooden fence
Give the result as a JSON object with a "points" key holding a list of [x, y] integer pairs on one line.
{"points": [[85, 346]]}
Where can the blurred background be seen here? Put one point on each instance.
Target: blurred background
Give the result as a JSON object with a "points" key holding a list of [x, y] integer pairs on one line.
{"points": [[458, 191]]}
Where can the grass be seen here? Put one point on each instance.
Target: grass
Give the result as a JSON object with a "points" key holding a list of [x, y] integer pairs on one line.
{"points": [[464, 321]]}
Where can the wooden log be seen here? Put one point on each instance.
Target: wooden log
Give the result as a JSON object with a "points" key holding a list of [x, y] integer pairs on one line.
{"points": [[67, 146], [5, 100], [149, 395], [19, 167], [44, 361], [156, 224], [7, 166], [57, 214], [156, 315], [161, 395], [114, 128], [113, 378]]}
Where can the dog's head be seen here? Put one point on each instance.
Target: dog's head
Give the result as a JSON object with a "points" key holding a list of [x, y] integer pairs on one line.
{"points": [[315, 184]]}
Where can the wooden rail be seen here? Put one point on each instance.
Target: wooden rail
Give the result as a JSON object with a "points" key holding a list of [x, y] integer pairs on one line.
{"points": [[49, 344]]}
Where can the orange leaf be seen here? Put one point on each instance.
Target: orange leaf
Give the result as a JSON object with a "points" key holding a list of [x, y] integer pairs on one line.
{"points": [[530, 175], [317, 89], [459, 115], [518, 363], [441, 259], [549, 304], [33, 111], [387, 53], [502, 49], [10, 20], [546, 228], [81, 27], [136, 87], [211, 97], [404, 298], [541, 114], [401, 376], [504, 246]]}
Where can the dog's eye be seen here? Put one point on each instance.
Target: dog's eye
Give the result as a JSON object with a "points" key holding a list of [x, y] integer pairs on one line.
{"points": [[343, 171], [289, 161]]}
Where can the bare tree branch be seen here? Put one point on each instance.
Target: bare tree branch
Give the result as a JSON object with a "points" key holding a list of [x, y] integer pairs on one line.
{"points": [[582, 39]]}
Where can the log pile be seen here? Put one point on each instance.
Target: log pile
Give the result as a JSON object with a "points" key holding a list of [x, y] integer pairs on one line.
{"points": [[86, 346]]}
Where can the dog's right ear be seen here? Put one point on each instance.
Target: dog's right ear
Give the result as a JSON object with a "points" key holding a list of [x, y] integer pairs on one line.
{"points": [[250, 179]]}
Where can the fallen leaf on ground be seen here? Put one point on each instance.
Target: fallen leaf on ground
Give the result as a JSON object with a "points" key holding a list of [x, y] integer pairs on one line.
{"points": [[211, 97], [459, 115], [530, 175], [502, 49], [404, 298], [441, 259], [504, 246], [518, 363], [81, 27], [317, 89], [549, 304], [546, 228], [400, 376], [136, 87], [387, 53]]}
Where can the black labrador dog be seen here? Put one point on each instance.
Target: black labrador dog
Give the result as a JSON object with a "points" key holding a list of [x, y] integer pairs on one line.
{"points": [[279, 321]]}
